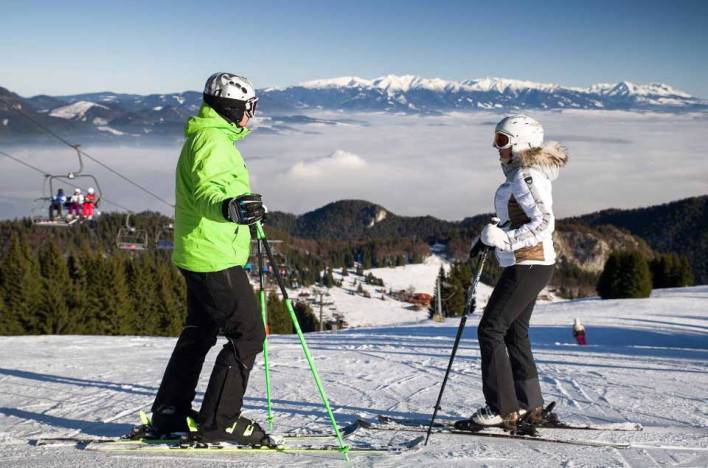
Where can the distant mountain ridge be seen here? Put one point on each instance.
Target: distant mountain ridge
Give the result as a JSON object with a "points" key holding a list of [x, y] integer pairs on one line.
{"points": [[129, 116], [680, 226], [414, 93]]}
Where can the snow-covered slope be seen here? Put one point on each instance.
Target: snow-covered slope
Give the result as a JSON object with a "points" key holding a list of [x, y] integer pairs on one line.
{"points": [[359, 310], [646, 362], [76, 110]]}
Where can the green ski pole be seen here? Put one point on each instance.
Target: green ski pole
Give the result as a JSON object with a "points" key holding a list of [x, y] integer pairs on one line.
{"points": [[264, 315], [343, 448]]}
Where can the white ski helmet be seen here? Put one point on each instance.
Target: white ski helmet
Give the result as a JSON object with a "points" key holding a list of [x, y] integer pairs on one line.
{"points": [[230, 86], [77, 190], [231, 96], [522, 133], [90, 190]]}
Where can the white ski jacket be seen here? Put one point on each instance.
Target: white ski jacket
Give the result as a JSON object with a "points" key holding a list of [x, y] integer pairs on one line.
{"points": [[524, 204]]}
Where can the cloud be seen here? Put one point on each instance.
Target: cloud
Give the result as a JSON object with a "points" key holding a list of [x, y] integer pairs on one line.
{"points": [[336, 163], [443, 166]]}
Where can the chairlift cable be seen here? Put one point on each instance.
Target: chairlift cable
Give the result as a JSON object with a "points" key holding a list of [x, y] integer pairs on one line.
{"points": [[34, 168]]}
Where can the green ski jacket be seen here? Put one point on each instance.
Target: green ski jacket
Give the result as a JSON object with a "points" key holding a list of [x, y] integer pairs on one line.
{"points": [[210, 169]]}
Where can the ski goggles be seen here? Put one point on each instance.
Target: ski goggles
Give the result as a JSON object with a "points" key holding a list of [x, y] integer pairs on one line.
{"points": [[250, 107], [501, 140]]}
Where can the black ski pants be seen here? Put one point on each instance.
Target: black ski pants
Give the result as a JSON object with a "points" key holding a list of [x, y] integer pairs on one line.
{"points": [[222, 300], [509, 376]]}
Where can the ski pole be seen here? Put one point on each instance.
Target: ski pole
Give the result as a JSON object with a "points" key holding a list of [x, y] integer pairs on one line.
{"points": [[469, 310], [264, 315], [343, 448]]}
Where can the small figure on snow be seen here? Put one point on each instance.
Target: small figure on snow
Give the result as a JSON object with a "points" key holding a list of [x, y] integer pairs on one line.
{"points": [[579, 332], [524, 248], [212, 239]]}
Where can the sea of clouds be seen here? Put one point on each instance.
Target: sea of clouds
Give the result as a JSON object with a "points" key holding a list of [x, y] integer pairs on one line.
{"points": [[442, 165]]}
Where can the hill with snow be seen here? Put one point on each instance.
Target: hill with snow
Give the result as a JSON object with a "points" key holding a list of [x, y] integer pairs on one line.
{"points": [[646, 362]]}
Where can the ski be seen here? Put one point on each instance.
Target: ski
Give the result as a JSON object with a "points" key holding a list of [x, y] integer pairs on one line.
{"points": [[442, 429], [245, 449], [44, 441], [617, 427], [550, 421], [179, 448], [346, 431]]}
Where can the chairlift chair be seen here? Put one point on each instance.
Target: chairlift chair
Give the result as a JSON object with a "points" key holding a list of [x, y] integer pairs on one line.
{"points": [[39, 214], [163, 239], [131, 239], [39, 217]]}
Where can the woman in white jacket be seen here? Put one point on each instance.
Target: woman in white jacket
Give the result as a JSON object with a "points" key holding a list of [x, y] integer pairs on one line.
{"points": [[523, 243]]}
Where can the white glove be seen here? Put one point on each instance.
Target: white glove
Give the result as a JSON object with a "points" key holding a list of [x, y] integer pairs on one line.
{"points": [[494, 236]]}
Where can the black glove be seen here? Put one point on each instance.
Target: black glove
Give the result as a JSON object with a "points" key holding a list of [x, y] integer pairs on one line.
{"points": [[476, 247], [246, 209]]}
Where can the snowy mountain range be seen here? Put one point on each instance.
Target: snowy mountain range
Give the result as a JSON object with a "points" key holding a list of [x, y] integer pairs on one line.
{"points": [[132, 115], [415, 94]]}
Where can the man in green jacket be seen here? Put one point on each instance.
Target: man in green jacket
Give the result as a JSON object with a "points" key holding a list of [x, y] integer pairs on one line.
{"points": [[213, 212]]}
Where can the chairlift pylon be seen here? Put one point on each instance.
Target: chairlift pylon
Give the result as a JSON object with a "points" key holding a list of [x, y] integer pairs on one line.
{"points": [[131, 238]]}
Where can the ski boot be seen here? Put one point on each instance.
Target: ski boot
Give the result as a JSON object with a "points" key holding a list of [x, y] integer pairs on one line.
{"points": [[242, 432], [487, 417], [530, 420], [166, 423]]}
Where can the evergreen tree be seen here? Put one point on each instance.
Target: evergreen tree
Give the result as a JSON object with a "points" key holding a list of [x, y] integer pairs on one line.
{"points": [[625, 275], [170, 310], [454, 293], [53, 314], [671, 271], [306, 317], [109, 300], [77, 294], [327, 279], [144, 317], [21, 289], [433, 303], [279, 322], [5, 328]]}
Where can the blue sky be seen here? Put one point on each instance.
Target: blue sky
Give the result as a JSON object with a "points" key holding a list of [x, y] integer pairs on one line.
{"points": [[164, 46]]}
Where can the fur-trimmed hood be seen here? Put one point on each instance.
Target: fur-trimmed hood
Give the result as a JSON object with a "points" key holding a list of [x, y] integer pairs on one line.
{"points": [[550, 154], [548, 159]]}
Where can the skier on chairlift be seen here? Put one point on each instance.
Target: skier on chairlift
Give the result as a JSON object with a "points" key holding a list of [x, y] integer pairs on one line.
{"points": [[75, 203], [89, 204], [56, 205]]}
